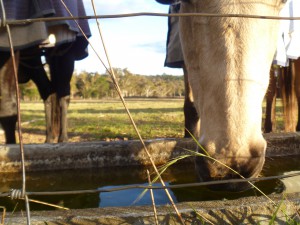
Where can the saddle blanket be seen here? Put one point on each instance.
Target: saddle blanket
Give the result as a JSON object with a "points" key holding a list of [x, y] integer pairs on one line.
{"points": [[288, 46], [28, 35]]}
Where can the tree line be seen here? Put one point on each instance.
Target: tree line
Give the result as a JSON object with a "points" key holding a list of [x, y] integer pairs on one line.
{"points": [[86, 85]]}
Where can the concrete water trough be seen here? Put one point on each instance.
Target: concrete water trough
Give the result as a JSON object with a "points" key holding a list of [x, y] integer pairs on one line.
{"points": [[250, 210]]}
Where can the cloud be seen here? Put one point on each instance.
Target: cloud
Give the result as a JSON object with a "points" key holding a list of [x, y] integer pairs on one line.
{"points": [[136, 43], [124, 6], [157, 47]]}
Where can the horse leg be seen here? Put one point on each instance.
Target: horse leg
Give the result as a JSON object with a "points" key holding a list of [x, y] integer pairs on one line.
{"points": [[269, 123], [50, 137], [32, 67], [191, 118], [289, 97], [8, 105], [64, 104], [61, 70], [297, 89], [9, 126]]}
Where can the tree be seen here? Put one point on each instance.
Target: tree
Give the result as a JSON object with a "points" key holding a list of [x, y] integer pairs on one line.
{"points": [[94, 85]]}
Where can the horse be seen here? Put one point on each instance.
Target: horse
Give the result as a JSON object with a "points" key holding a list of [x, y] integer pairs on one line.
{"points": [[8, 109], [285, 84], [55, 92], [174, 59], [32, 69], [191, 117], [220, 54], [70, 45]]}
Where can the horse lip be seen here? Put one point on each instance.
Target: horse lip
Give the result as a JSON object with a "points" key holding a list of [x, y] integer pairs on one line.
{"points": [[204, 176], [231, 187]]}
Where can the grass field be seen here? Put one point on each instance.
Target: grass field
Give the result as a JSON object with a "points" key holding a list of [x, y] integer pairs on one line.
{"points": [[107, 120]]}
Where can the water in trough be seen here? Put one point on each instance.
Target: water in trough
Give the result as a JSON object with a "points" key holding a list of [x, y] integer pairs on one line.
{"points": [[119, 176]]}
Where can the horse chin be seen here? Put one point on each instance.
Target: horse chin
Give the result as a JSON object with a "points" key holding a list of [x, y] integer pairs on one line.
{"points": [[235, 187], [208, 170]]}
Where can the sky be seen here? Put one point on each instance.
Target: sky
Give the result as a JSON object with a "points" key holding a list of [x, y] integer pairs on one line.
{"points": [[135, 43]]}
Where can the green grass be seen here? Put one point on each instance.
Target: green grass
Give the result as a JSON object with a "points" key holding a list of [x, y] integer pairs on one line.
{"points": [[107, 119], [279, 115]]}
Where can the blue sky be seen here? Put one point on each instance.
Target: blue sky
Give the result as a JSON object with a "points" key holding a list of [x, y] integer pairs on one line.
{"points": [[136, 43]]}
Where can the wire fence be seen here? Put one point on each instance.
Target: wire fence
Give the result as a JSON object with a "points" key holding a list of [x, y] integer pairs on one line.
{"points": [[4, 22], [16, 194], [23, 194]]}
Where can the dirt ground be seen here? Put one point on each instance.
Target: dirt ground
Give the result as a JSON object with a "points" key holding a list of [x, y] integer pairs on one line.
{"points": [[38, 138], [29, 138]]}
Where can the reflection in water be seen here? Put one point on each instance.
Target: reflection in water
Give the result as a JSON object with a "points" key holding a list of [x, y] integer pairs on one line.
{"points": [[135, 196], [114, 177]]}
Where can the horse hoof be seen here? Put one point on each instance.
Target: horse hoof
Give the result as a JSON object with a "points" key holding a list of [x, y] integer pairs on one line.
{"points": [[63, 139], [50, 140]]}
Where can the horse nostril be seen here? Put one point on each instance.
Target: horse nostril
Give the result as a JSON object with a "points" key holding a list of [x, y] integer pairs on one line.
{"points": [[258, 149]]}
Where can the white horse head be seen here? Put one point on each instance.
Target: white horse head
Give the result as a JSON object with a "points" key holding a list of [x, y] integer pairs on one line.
{"points": [[228, 61]]}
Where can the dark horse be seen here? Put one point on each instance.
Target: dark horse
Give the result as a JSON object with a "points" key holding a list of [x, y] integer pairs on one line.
{"points": [[174, 59], [284, 83], [70, 46]]}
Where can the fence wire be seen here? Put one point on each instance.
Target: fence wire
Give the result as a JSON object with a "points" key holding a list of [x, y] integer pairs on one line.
{"points": [[15, 194], [3, 21], [23, 194]]}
